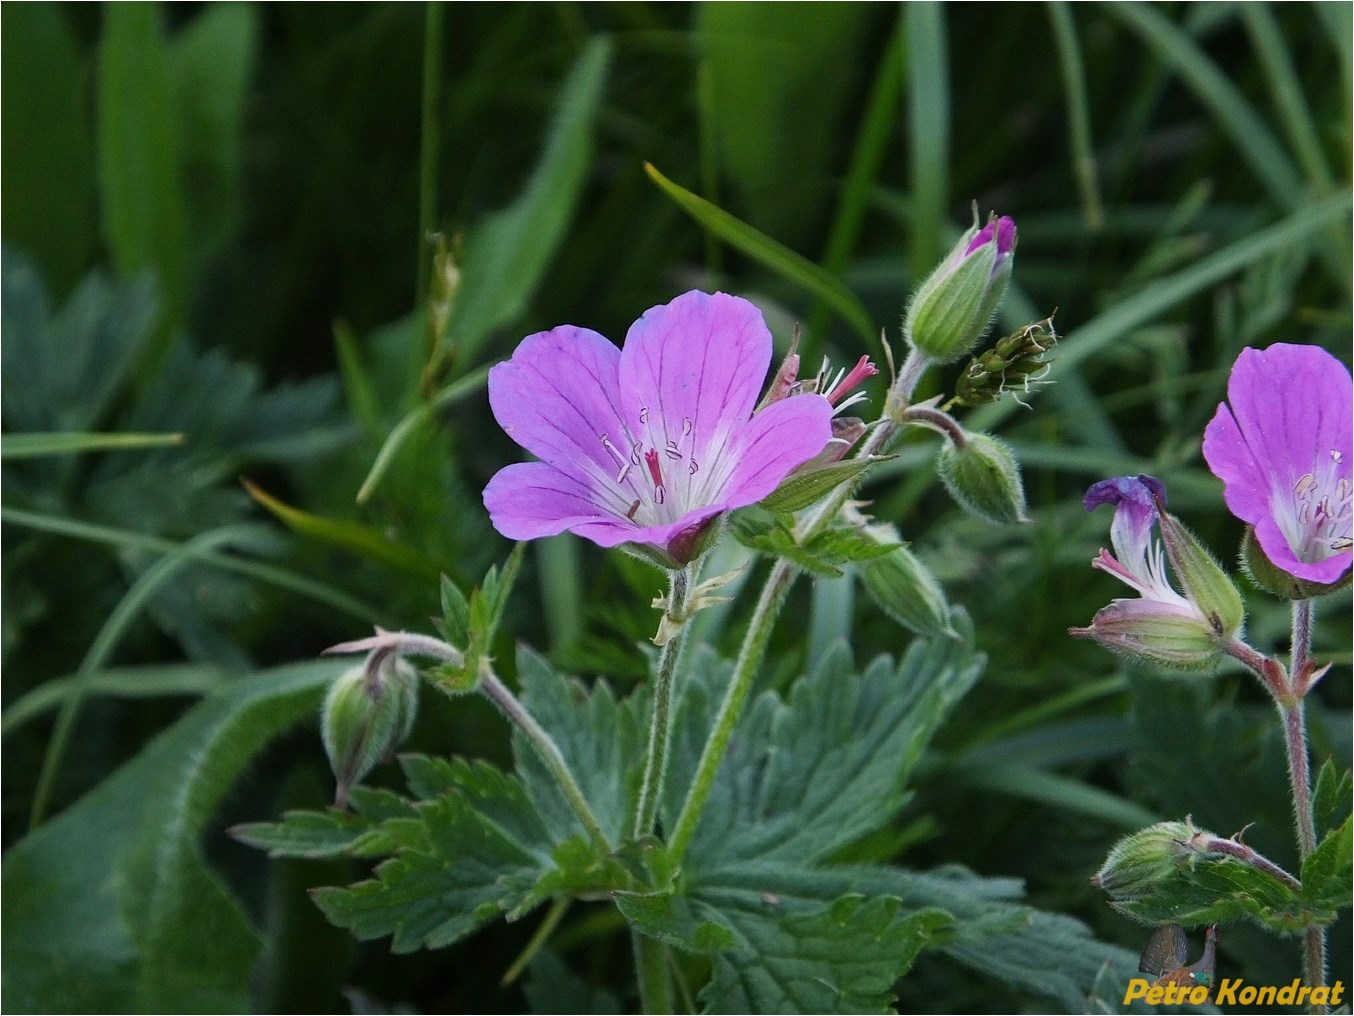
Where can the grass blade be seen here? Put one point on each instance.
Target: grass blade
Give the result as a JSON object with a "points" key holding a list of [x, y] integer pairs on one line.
{"points": [[28, 446], [1078, 113], [154, 681], [362, 540], [794, 268], [929, 107]]}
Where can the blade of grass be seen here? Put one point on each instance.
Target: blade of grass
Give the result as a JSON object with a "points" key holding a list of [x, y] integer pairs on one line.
{"points": [[561, 588], [866, 161], [428, 146], [357, 387], [116, 625], [929, 139], [1078, 113], [27, 446], [1061, 792], [271, 574], [140, 187], [793, 267], [1109, 325], [709, 160], [1048, 709], [1254, 141], [452, 393], [1294, 115], [156, 681], [362, 540]]}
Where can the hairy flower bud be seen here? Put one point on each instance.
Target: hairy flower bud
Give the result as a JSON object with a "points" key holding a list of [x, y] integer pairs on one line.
{"points": [[368, 712], [955, 305], [907, 591], [1142, 859], [984, 477]]}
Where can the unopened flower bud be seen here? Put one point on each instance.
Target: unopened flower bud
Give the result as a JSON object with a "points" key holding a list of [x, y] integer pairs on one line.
{"points": [[957, 302], [1142, 859], [1155, 632], [984, 478], [1203, 579], [905, 589], [368, 712]]}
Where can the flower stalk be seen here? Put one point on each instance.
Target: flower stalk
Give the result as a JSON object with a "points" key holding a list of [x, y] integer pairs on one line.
{"points": [[660, 726]]}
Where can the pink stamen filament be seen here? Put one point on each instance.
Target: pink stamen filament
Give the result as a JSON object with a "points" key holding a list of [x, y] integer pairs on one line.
{"points": [[863, 369]]}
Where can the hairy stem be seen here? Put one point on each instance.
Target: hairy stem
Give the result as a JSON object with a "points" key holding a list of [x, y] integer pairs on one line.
{"points": [[764, 615], [651, 969], [937, 420], [548, 751], [660, 726], [1300, 772], [744, 671]]}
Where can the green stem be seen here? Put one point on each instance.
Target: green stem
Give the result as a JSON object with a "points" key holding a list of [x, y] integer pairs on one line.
{"points": [[660, 726], [749, 659], [651, 970], [1300, 772], [764, 618], [547, 927], [547, 750]]}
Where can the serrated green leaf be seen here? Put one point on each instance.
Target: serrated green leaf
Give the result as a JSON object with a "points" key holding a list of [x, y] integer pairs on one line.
{"points": [[799, 490], [808, 775], [1331, 798], [1213, 888], [306, 833], [143, 924], [783, 955], [770, 534], [1328, 872], [453, 871]]}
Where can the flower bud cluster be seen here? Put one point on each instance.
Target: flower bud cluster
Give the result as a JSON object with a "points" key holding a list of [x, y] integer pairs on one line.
{"points": [[1014, 361]]}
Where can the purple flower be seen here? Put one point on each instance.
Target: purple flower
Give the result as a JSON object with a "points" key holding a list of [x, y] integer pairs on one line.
{"points": [[1161, 625], [648, 443], [1282, 451], [1003, 229]]}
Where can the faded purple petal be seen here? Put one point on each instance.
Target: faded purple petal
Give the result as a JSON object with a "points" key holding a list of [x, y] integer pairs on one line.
{"points": [[1135, 500], [702, 360], [1283, 451]]}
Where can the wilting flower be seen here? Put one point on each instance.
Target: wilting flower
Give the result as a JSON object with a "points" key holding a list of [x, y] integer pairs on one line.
{"points": [[955, 305], [1161, 625], [1282, 451], [648, 443]]}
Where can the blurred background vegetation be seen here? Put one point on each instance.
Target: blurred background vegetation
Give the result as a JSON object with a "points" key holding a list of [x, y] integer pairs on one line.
{"points": [[217, 226]]}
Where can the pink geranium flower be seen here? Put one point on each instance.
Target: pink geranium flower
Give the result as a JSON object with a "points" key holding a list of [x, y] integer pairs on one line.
{"points": [[648, 443], [1281, 446]]}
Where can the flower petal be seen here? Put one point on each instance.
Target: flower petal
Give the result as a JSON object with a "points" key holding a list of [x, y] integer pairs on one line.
{"points": [[1288, 419], [531, 499], [557, 397], [701, 358], [782, 436]]}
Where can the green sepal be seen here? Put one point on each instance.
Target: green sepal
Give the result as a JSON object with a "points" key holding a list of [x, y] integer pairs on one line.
{"points": [[822, 554], [800, 490], [1203, 579], [1265, 575], [905, 589]]}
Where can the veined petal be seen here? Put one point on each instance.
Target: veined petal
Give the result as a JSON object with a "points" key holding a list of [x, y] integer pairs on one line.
{"points": [[558, 398], [782, 436], [528, 500], [610, 534], [691, 372], [1283, 451]]}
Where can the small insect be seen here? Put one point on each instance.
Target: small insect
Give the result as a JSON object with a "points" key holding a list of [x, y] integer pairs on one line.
{"points": [[1168, 948]]}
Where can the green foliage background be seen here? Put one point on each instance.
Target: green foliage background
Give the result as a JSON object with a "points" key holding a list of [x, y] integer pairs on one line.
{"points": [[214, 221]]}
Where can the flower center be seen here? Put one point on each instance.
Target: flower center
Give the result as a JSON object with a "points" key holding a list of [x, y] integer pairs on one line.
{"points": [[1322, 509], [652, 497]]}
